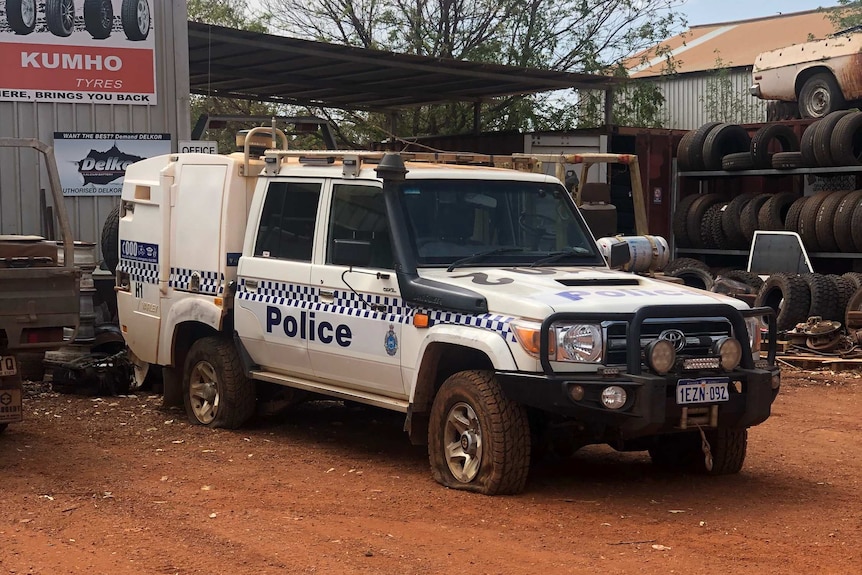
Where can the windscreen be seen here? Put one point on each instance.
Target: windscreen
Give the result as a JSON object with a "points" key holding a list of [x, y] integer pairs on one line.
{"points": [[495, 222]]}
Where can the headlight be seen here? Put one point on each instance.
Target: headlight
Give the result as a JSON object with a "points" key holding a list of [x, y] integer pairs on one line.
{"points": [[752, 324], [578, 342], [730, 352]]}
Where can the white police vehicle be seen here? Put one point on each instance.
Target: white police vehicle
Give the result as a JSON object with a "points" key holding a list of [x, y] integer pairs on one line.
{"points": [[473, 299]]}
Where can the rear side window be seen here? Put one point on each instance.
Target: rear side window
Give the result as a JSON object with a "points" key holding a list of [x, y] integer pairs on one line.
{"points": [[286, 228]]}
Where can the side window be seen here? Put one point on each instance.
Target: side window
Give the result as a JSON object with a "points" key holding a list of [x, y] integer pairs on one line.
{"points": [[359, 213], [286, 228]]}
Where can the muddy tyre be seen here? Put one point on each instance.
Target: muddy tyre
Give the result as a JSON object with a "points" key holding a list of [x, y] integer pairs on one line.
{"points": [[788, 295], [111, 239], [824, 297], [216, 392], [478, 440], [820, 95], [769, 137], [773, 213], [685, 263], [21, 16], [98, 18], [135, 16], [60, 17]]}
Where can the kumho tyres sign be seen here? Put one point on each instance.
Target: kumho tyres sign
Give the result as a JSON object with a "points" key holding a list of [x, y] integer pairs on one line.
{"points": [[94, 164], [93, 51]]}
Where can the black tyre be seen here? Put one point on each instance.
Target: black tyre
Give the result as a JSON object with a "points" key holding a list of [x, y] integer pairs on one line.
{"points": [[478, 439], [855, 278], [855, 304], [694, 218], [730, 220], [3, 427], [823, 137], [683, 451], [856, 228], [678, 263], [723, 140], [845, 143], [845, 292], [791, 222], [824, 297], [737, 161], [216, 392], [807, 227], [695, 277], [806, 145], [111, 239], [135, 15], [844, 221], [788, 160], [683, 151], [788, 295], [680, 217], [746, 277], [824, 227], [770, 139], [713, 229], [748, 218], [60, 17], [98, 18], [21, 16], [820, 95], [696, 144], [778, 111], [773, 213]]}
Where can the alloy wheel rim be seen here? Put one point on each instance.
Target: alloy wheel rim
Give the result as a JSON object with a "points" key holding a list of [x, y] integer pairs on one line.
{"points": [[203, 392], [462, 442]]}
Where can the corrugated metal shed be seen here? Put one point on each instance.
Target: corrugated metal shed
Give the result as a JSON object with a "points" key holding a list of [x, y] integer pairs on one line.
{"points": [[736, 43], [21, 178]]}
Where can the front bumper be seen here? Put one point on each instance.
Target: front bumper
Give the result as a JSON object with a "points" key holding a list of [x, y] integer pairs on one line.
{"points": [[651, 406]]}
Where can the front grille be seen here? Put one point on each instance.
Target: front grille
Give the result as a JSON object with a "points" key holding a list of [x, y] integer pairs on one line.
{"points": [[699, 334]]}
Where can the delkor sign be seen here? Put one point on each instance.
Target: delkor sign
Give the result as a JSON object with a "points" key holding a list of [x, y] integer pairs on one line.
{"points": [[94, 164], [98, 51]]}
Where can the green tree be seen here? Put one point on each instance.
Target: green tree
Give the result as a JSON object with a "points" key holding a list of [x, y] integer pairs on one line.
{"points": [[563, 35], [846, 15], [722, 102]]}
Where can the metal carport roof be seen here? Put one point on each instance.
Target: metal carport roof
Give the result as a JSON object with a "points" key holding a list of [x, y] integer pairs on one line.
{"points": [[250, 65]]}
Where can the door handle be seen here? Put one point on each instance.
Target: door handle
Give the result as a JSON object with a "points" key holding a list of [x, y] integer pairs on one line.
{"points": [[251, 285], [325, 293]]}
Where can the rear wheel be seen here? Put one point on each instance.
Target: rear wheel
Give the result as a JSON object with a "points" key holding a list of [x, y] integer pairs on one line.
{"points": [[478, 440], [820, 96], [216, 392]]}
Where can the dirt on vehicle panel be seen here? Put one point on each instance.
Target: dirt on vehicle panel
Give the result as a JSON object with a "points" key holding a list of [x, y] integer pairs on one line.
{"points": [[122, 486]]}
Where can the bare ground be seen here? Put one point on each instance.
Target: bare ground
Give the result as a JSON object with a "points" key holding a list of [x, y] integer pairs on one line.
{"points": [[118, 485]]}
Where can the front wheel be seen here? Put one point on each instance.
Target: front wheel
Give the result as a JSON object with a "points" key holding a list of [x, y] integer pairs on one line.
{"points": [[478, 440], [820, 96], [216, 392]]}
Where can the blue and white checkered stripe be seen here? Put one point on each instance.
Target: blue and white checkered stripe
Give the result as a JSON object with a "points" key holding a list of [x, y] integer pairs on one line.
{"points": [[350, 304], [210, 282], [145, 272]]}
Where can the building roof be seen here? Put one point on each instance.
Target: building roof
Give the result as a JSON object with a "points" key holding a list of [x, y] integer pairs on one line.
{"points": [[736, 43], [250, 65]]}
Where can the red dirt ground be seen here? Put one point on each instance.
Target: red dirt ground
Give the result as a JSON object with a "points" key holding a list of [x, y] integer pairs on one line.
{"points": [[118, 485]]}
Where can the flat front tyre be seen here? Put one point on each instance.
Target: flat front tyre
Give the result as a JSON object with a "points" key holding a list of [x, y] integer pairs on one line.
{"points": [[478, 440], [216, 392]]}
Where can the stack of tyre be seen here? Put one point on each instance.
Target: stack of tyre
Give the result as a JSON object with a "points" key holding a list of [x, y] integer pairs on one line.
{"points": [[828, 221], [695, 273], [796, 297]]}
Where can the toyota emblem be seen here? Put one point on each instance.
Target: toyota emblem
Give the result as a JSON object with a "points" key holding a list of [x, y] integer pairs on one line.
{"points": [[675, 336]]}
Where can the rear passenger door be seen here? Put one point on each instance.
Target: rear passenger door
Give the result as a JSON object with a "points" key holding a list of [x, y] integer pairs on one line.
{"points": [[356, 339], [274, 297]]}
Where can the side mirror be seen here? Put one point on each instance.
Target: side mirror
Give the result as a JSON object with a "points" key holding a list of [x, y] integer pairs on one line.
{"points": [[620, 255], [351, 253]]}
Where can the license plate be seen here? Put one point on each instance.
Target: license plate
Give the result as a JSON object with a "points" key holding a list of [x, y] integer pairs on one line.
{"points": [[702, 390], [8, 365]]}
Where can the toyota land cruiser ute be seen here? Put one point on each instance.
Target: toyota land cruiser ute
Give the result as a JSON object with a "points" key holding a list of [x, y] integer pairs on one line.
{"points": [[471, 298]]}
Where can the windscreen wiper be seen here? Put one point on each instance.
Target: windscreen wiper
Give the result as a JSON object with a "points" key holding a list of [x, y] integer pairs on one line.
{"points": [[576, 251], [481, 255]]}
